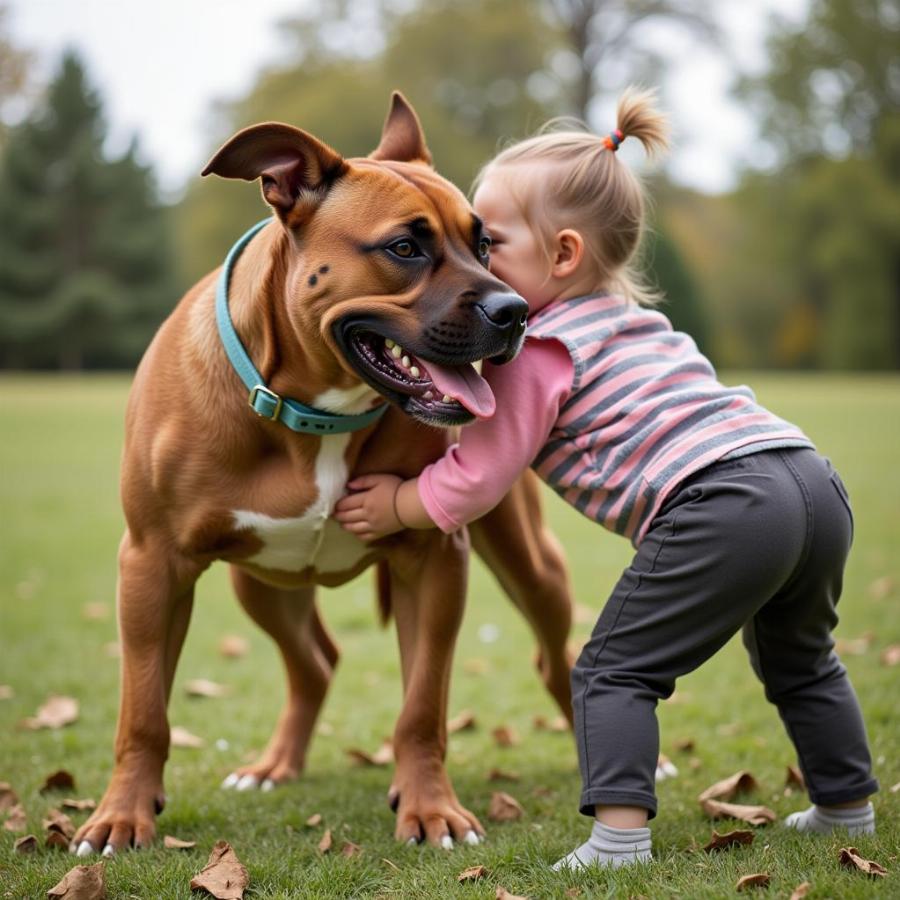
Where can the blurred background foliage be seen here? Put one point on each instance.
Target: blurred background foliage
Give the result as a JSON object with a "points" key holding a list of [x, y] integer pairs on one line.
{"points": [[798, 267]]}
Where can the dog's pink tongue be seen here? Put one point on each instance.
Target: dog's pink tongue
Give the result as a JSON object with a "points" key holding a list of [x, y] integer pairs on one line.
{"points": [[465, 385]]}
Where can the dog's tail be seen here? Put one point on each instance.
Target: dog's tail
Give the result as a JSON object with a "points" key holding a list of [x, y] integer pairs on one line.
{"points": [[383, 589]]}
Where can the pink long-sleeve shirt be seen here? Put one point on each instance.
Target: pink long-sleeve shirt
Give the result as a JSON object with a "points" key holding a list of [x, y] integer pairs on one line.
{"points": [[475, 474], [612, 408]]}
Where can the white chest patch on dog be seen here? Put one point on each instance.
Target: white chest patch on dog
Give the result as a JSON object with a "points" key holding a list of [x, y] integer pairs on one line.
{"points": [[311, 539]]}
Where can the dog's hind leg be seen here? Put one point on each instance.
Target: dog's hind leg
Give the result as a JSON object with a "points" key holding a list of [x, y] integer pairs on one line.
{"points": [[290, 618], [528, 562]]}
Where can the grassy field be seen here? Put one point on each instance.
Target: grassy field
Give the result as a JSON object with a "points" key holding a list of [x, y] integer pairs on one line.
{"points": [[59, 531]]}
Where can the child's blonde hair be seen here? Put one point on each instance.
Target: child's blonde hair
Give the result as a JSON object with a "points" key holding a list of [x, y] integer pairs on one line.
{"points": [[584, 187]]}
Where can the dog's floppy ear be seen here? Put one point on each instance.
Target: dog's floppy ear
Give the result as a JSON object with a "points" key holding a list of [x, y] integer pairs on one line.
{"points": [[402, 138], [296, 169]]}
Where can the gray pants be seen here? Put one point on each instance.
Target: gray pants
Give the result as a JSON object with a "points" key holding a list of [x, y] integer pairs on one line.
{"points": [[759, 543]]}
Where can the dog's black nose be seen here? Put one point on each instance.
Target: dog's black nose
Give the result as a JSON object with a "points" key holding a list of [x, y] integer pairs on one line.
{"points": [[505, 311]]}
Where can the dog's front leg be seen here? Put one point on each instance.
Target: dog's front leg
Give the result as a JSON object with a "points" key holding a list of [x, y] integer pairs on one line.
{"points": [[428, 584], [155, 597]]}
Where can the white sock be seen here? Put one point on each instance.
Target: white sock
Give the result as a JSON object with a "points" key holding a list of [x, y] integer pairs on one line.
{"points": [[857, 820], [608, 846]]}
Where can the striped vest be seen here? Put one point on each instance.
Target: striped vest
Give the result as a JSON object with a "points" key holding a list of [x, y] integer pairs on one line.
{"points": [[646, 411]]}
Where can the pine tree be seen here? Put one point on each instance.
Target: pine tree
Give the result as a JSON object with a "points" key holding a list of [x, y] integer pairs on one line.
{"points": [[85, 272]]}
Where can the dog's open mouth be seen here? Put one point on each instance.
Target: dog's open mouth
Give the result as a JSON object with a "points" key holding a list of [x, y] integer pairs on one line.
{"points": [[431, 391]]}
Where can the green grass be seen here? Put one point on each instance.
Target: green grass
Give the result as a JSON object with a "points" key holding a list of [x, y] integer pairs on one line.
{"points": [[58, 536]]}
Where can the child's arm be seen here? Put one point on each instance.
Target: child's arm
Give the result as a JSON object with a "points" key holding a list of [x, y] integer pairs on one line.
{"points": [[475, 474]]}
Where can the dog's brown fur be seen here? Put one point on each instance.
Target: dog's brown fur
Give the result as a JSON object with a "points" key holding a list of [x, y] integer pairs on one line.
{"points": [[195, 454]]}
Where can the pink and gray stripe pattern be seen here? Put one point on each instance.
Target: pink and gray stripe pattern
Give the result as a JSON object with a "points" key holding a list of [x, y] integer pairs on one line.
{"points": [[646, 411]]}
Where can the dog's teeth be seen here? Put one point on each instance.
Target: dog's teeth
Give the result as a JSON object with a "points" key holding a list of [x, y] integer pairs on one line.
{"points": [[447, 399], [388, 343], [396, 351], [414, 371], [109, 850], [471, 838], [84, 849], [427, 395], [406, 362], [230, 781], [446, 842]]}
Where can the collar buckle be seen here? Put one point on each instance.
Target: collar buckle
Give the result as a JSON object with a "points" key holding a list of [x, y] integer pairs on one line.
{"points": [[265, 402]]}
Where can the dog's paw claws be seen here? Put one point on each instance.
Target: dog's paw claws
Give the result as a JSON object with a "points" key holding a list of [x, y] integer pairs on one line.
{"points": [[446, 842], [230, 781], [472, 838], [109, 850], [247, 783], [84, 849], [412, 842], [267, 785], [666, 770]]}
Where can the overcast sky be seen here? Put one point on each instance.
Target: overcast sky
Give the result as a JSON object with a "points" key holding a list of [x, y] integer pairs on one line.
{"points": [[160, 64]]}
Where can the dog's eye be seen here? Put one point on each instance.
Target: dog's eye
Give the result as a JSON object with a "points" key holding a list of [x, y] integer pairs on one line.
{"points": [[405, 249], [484, 247]]}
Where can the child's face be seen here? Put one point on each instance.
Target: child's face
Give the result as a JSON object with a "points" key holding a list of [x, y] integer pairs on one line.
{"points": [[516, 256]]}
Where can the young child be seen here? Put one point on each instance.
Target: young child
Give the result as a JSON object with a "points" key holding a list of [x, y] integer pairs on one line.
{"points": [[737, 522]]}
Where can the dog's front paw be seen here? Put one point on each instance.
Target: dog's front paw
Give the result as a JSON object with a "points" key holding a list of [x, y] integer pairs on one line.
{"points": [[126, 817], [433, 813]]}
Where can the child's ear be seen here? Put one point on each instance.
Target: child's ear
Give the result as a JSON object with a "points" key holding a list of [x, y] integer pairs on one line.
{"points": [[569, 253]]}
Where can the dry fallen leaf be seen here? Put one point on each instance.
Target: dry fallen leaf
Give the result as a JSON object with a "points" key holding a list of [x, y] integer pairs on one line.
{"points": [[203, 687], [174, 843], [504, 736], [234, 646], [728, 787], [58, 781], [27, 844], [728, 840], [794, 777], [752, 881], [504, 808], [181, 737], [755, 815], [881, 588], [476, 667], [890, 656], [17, 819], [6, 692], [850, 859], [383, 756], [695, 763], [465, 721], [684, 745], [473, 873], [854, 646], [502, 775], [801, 891], [81, 883], [350, 849], [223, 876], [80, 805], [95, 612], [314, 820], [504, 894], [58, 822], [326, 842], [56, 712], [8, 797]]}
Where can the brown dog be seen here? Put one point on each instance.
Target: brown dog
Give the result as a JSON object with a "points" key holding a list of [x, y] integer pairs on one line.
{"points": [[364, 255]]}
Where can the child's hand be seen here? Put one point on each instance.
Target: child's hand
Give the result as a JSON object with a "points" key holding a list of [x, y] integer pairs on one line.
{"points": [[370, 512]]}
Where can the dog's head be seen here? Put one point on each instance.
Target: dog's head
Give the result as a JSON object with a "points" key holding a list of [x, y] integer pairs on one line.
{"points": [[390, 264]]}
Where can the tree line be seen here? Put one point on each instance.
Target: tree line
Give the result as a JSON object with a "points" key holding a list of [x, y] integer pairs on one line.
{"points": [[798, 267]]}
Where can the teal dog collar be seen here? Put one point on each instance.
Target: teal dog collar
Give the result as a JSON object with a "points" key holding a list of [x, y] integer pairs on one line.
{"points": [[263, 400]]}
